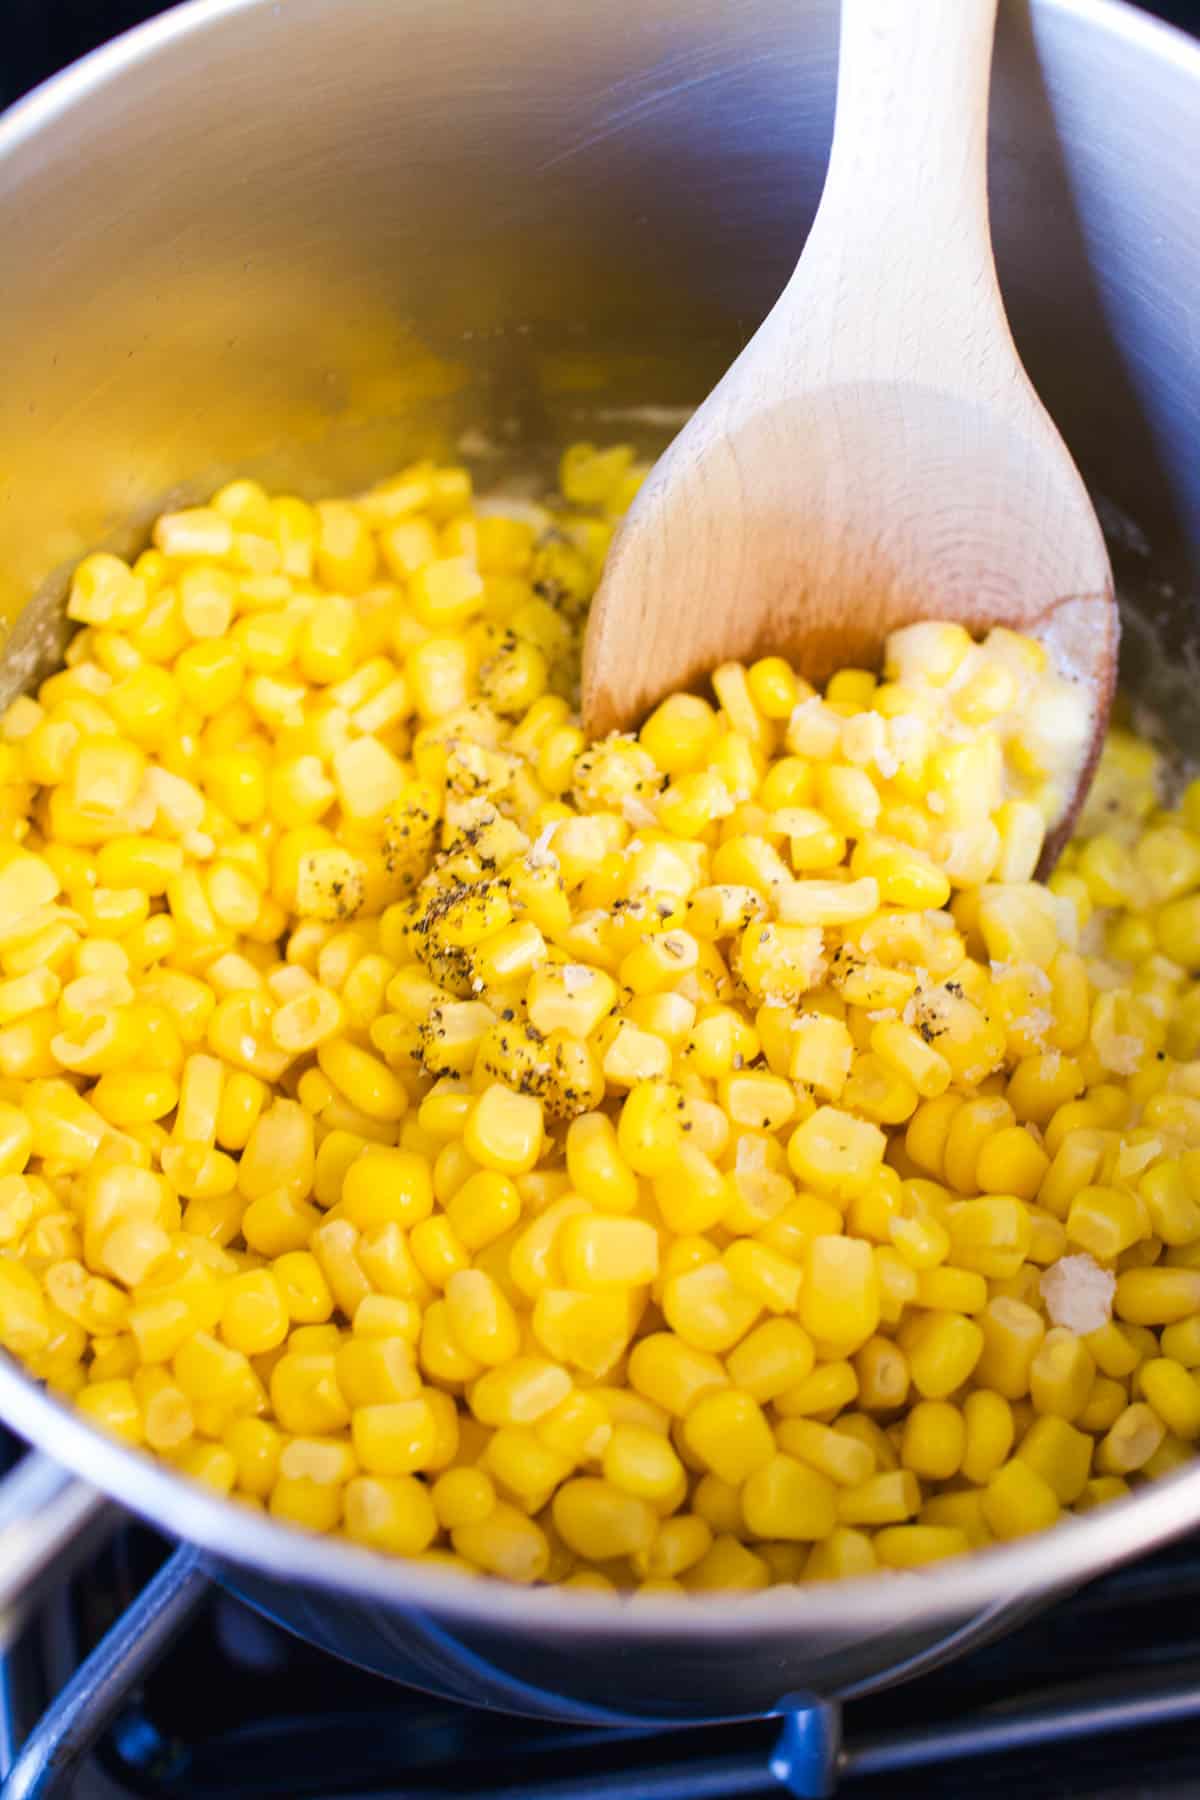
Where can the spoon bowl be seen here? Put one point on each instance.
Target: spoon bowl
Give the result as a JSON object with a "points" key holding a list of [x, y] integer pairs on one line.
{"points": [[877, 454]]}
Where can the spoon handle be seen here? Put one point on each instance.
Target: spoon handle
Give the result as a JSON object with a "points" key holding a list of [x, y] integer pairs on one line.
{"points": [[904, 209]]}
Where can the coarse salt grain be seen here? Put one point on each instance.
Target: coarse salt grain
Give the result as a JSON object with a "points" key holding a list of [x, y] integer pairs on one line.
{"points": [[1079, 1293], [905, 731], [1121, 1053], [1036, 1024]]}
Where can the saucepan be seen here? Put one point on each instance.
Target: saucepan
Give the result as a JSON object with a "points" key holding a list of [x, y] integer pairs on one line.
{"points": [[311, 238]]}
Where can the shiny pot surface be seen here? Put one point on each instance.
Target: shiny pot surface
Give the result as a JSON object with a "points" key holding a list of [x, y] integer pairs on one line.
{"points": [[311, 238]]}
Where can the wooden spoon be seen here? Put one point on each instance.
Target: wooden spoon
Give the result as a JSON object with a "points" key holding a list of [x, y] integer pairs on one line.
{"points": [[877, 453]]}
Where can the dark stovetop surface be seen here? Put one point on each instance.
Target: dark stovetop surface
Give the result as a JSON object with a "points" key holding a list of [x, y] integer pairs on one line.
{"points": [[239, 1710]]}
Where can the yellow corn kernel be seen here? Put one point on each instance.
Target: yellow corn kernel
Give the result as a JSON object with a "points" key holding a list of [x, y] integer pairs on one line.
{"points": [[1130, 1441], [692, 1195], [988, 1419], [678, 733], [822, 1051], [596, 1166], [256, 1447], [1010, 1162], [381, 1186], [128, 1097], [113, 1406], [883, 1375], [928, 1131], [480, 1317], [773, 1357], [1100, 1491], [1174, 1393], [943, 1350], [779, 961], [765, 1275], [519, 1392], [600, 1252], [834, 1152], [590, 1331], [463, 1496], [934, 1440], [822, 1394], [302, 1284], [790, 1500], [305, 1396], [877, 1092], [1060, 1454], [924, 1243], [845, 1552], [679, 1544], [991, 1236], [640, 1461], [374, 1371], [1011, 1333], [971, 1126], [1116, 1353], [706, 1308], [1156, 1296], [673, 1373], [1104, 1405], [1106, 1221], [1174, 1214], [503, 1130], [441, 1355], [1061, 1374], [890, 1498], [394, 1437], [484, 1208], [393, 1513], [599, 1522], [1182, 1341], [524, 1466], [914, 1546], [729, 1434], [366, 1082], [962, 1511], [839, 1299], [906, 1051], [845, 1461], [506, 1544], [1018, 1500]]}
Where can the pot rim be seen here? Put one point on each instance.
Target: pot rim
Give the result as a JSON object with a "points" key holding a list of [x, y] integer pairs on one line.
{"points": [[1066, 1554]]}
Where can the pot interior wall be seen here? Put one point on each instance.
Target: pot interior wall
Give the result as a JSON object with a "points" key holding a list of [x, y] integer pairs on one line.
{"points": [[316, 239]]}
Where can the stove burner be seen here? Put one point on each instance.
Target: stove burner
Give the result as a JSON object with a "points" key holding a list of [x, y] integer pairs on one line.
{"points": [[137, 1676]]}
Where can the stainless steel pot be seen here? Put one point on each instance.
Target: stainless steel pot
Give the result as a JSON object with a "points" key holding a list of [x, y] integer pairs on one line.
{"points": [[310, 237]]}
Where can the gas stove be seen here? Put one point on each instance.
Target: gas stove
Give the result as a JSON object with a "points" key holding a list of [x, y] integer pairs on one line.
{"points": [[131, 1674]]}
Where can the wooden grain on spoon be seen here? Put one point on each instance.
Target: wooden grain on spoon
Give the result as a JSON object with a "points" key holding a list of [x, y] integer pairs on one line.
{"points": [[877, 454]]}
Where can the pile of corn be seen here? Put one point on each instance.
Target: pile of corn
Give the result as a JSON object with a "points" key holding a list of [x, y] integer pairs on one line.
{"points": [[695, 1160]]}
